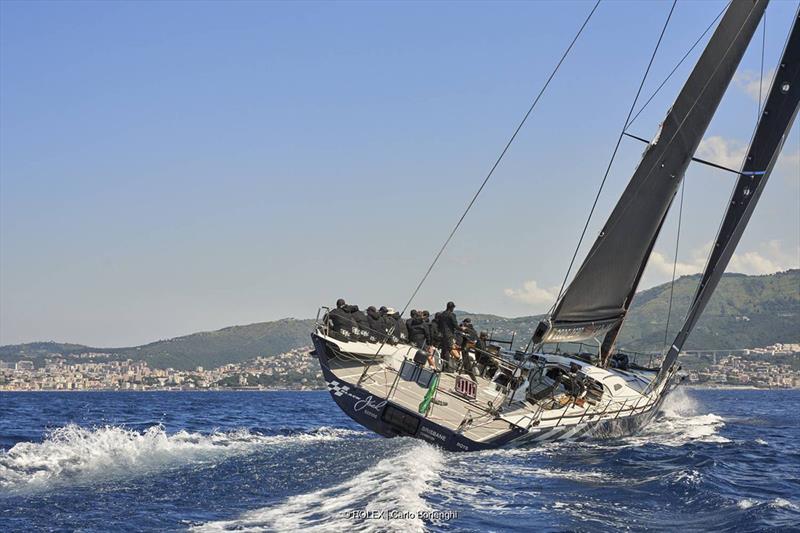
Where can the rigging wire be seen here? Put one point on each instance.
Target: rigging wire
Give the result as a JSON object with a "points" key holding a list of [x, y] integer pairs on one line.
{"points": [[761, 79], [500, 157], [677, 66], [489, 175], [674, 265], [614, 154]]}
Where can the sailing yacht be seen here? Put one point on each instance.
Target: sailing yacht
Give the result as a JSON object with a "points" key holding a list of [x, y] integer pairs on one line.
{"points": [[548, 391]]}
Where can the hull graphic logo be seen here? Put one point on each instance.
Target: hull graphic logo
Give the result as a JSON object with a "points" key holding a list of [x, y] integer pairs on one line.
{"points": [[360, 405], [337, 389]]}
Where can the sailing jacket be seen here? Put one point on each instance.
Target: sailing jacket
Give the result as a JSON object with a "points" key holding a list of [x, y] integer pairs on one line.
{"points": [[448, 324], [376, 323], [418, 332]]}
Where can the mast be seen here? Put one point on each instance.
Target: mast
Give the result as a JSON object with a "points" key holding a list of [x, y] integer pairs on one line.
{"points": [[595, 303], [774, 124]]}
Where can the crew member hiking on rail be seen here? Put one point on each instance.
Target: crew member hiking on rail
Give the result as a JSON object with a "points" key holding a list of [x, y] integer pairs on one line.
{"points": [[341, 321]]}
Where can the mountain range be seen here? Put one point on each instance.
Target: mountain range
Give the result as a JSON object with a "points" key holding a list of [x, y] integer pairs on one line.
{"points": [[745, 311]]}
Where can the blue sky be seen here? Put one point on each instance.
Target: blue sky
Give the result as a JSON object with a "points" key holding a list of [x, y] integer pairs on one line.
{"points": [[169, 167]]}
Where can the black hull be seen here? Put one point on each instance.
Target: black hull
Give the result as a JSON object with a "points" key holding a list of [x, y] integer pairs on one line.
{"points": [[391, 420]]}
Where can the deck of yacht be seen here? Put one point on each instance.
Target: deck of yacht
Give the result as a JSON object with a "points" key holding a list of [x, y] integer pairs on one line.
{"points": [[450, 409]]}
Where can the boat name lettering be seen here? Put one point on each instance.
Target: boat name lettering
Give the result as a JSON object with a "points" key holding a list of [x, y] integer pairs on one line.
{"points": [[428, 432]]}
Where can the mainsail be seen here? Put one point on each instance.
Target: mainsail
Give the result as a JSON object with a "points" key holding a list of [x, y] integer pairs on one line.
{"points": [[774, 124], [595, 303]]}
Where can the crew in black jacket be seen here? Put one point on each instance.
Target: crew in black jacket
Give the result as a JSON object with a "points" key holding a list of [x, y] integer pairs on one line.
{"points": [[448, 324], [341, 320], [468, 333], [376, 325], [389, 324], [400, 331], [362, 323], [417, 331], [435, 332]]}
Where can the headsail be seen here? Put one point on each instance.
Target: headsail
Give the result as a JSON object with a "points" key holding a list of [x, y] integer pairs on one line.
{"points": [[776, 120], [596, 301]]}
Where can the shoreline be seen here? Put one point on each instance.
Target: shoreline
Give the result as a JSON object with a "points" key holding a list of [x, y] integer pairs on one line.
{"points": [[233, 389], [230, 389]]}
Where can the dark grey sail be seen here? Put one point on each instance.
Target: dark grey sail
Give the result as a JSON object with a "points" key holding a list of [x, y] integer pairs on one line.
{"points": [[596, 301], [776, 120]]}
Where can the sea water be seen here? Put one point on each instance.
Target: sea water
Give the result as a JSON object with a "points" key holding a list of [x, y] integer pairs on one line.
{"points": [[289, 461]]}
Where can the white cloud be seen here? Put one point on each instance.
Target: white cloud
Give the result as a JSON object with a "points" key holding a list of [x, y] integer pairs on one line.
{"points": [[661, 266], [770, 257], [731, 153], [531, 293], [789, 166], [773, 257], [753, 263], [726, 152], [748, 82]]}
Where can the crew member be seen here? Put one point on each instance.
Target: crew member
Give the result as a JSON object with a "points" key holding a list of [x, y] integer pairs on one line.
{"points": [[468, 333], [448, 324], [375, 323], [418, 333], [435, 332], [362, 323], [341, 320], [388, 324], [489, 367], [401, 331]]}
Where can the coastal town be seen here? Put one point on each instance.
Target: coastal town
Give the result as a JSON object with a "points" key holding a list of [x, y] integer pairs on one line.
{"points": [[773, 366], [293, 370]]}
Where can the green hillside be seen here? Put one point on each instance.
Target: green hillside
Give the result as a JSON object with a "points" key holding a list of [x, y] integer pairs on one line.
{"points": [[745, 311], [209, 349]]}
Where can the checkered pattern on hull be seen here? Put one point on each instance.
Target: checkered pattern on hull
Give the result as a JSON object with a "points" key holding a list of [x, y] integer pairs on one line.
{"points": [[336, 388]]}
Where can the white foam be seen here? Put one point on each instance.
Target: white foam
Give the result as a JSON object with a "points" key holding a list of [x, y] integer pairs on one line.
{"points": [[777, 503], [394, 485], [783, 503], [688, 477], [680, 423], [678, 404], [572, 475], [73, 453], [745, 503]]}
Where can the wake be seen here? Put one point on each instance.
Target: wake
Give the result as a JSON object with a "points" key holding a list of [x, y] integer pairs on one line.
{"points": [[390, 494], [74, 453]]}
